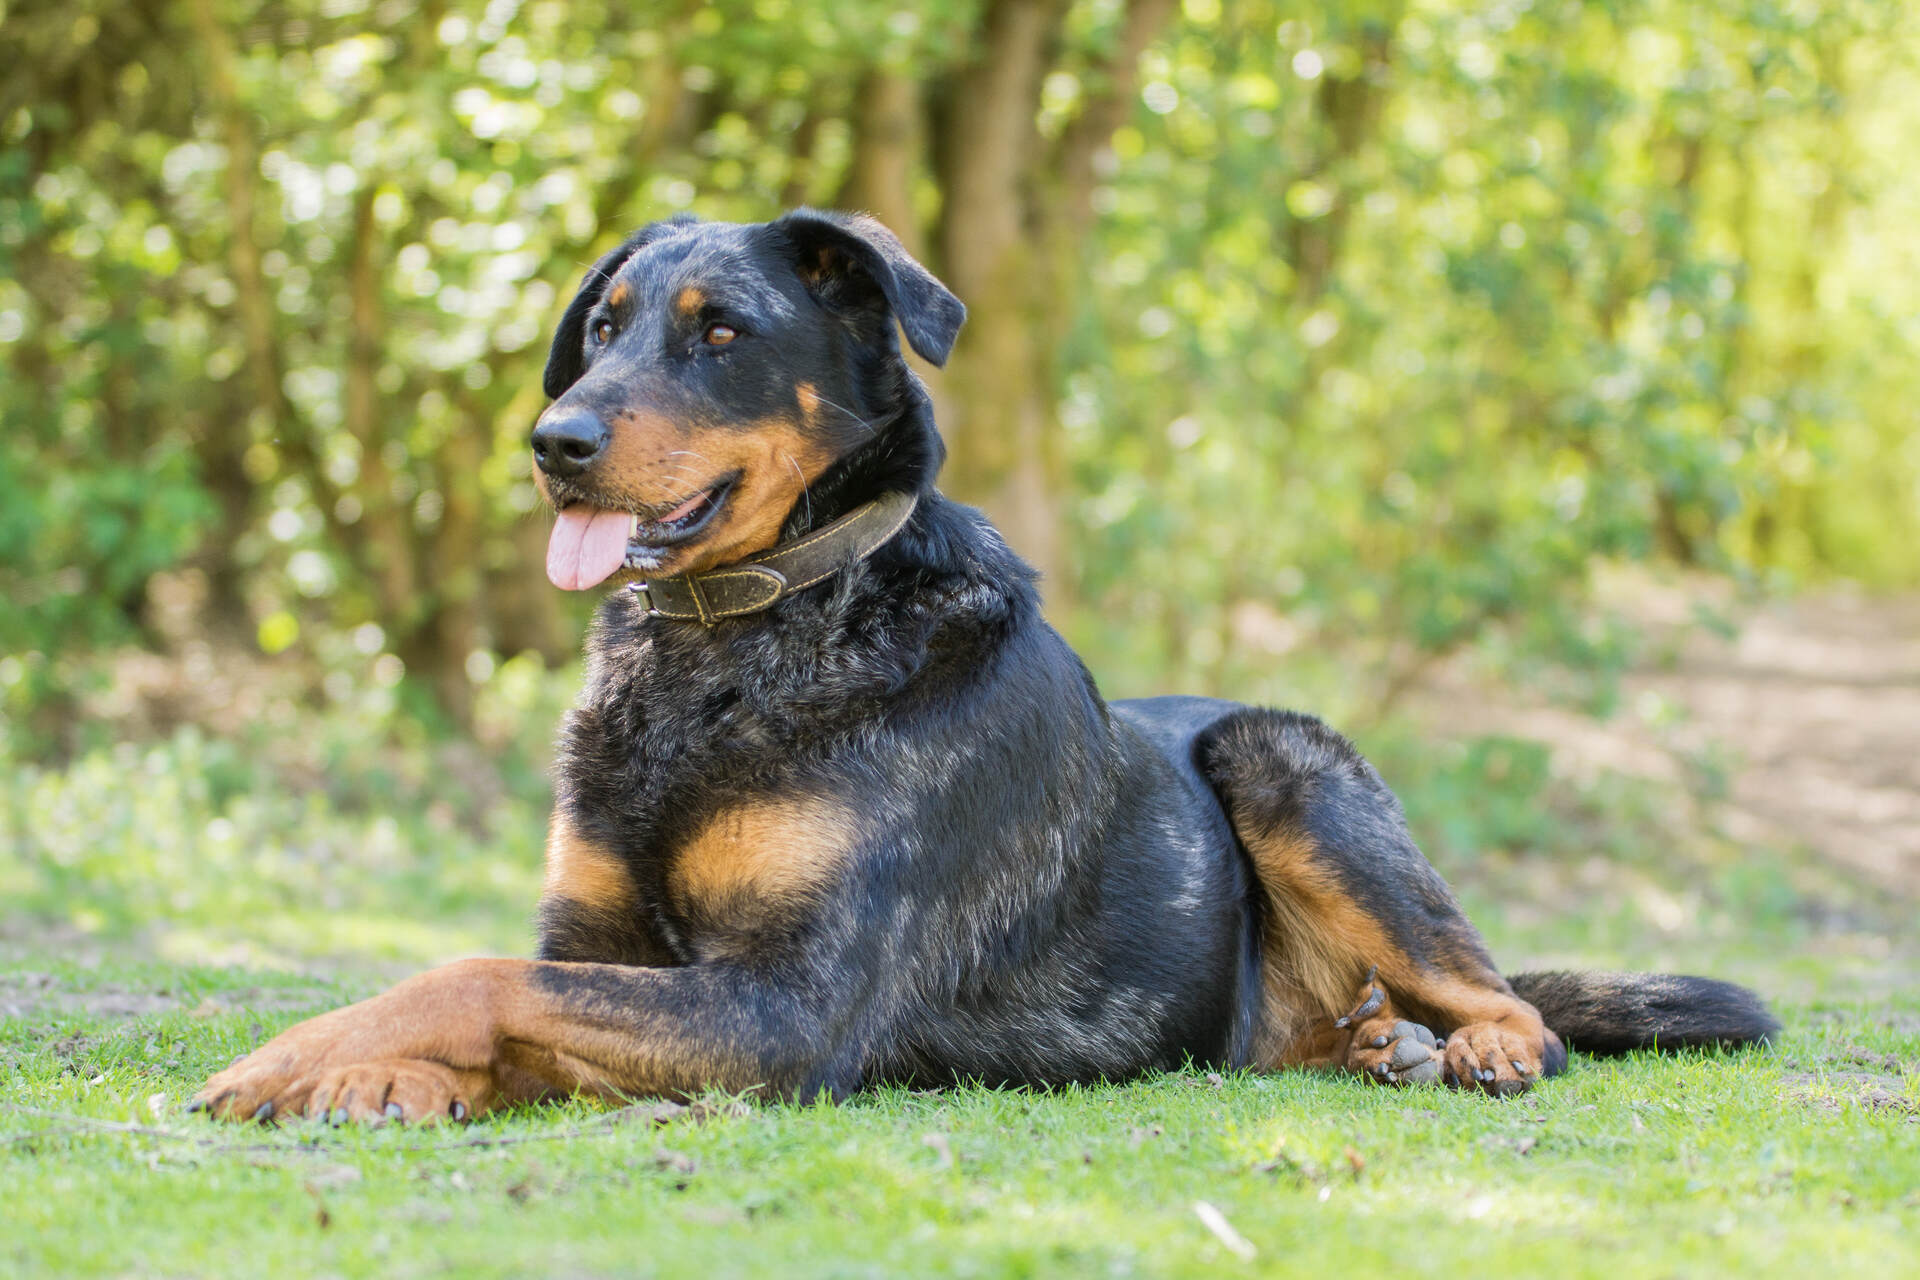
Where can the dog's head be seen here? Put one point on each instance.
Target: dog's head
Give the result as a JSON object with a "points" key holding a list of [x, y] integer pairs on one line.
{"points": [[708, 373]]}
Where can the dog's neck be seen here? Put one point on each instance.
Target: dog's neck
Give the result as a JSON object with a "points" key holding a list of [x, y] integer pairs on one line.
{"points": [[902, 455], [858, 505], [762, 581]]}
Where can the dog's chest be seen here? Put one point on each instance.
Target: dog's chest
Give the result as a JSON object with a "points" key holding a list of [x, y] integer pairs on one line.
{"points": [[758, 864]]}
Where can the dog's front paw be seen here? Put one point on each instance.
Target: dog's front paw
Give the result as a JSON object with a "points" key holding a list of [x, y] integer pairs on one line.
{"points": [[410, 1090], [439, 1019], [277, 1078], [258, 1086]]}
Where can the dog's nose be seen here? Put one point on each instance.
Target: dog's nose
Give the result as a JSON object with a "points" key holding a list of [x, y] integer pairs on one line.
{"points": [[566, 444]]}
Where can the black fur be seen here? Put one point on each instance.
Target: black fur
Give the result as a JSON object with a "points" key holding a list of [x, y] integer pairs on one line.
{"points": [[1605, 1013], [1039, 887], [566, 360], [929, 315]]}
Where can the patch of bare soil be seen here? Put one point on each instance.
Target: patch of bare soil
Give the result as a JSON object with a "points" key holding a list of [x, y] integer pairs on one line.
{"points": [[1809, 716], [34, 995], [1834, 1090]]}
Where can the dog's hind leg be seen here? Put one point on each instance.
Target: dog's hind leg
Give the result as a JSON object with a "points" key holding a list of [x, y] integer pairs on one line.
{"points": [[1369, 965]]}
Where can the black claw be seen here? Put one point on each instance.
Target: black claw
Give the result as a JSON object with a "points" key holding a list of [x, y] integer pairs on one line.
{"points": [[264, 1111], [1486, 1075], [1367, 1008], [393, 1110], [1440, 1042], [1379, 1042], [1380, 1069], [459, 1111], [198, 1104]]}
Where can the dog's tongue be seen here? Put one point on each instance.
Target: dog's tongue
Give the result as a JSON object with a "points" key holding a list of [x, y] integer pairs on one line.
{"points": [[587, 547]]}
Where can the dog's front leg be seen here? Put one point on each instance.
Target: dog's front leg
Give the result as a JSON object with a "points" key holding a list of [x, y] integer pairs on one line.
{"points": [[460, 1039]]}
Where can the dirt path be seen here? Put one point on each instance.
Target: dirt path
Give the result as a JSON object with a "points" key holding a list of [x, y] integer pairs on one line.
{"points": [[1809, 719]]}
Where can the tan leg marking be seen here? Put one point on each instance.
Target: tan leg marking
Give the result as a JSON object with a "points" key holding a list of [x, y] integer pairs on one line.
{"points": [[582, 871], [485, 1033], [1318, 943]]}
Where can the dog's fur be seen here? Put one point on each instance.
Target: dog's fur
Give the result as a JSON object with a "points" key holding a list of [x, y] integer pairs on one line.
{"points": [[888, 830]]}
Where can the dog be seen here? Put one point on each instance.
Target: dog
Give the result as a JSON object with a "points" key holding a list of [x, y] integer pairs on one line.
{"points": [[837, 806]]}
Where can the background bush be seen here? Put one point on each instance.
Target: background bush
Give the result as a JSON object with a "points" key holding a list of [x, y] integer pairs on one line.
{"points": [[1364, 329]]}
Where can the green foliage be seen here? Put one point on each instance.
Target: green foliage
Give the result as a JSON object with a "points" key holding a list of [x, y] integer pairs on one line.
{"points": [[1401, 322], [353, 832], [1392, 318]]}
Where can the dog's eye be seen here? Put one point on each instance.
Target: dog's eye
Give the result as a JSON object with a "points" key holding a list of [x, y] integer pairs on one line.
{"points": [[719, 335], [603, 332]]}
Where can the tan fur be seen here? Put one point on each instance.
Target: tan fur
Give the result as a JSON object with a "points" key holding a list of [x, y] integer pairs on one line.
{"points": [[689, 300], [582, 871], [809, 397], [1317, 946], [481, 1032], [766, 851], [653, 459], [619, 294]]}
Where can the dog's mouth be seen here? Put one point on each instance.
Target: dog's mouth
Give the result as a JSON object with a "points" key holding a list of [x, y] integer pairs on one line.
{"points": [[590, 544]]}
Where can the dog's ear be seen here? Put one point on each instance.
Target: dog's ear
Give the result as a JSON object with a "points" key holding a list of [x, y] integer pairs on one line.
{"points": [[844, 257], [564, 363]]}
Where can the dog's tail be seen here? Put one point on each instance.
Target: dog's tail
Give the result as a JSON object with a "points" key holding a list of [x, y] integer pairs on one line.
{"points": [[1614, 1012]]}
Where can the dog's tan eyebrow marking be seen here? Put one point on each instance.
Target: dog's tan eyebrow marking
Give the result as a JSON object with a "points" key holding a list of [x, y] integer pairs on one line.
{"points": [[809, 399], [689, 300], [619, 294]]}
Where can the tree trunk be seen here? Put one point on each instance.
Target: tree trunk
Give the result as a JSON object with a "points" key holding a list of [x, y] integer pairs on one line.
{"points": [[998, 389], [887, 143], [221, 446], [1015, 218]]}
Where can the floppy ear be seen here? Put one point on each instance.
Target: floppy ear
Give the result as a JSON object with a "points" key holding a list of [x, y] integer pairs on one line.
{"points": [[838, 252], [564, 365], [564, 362]]}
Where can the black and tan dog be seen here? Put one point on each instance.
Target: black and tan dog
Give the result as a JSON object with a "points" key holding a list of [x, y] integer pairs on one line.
{"points": [[838, 807]]}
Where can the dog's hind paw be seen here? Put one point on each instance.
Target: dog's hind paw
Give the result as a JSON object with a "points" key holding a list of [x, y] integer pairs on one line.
{"points": [[1389, 1050]]}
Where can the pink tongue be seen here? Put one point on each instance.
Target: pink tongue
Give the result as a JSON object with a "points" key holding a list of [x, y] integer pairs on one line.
{"points": [[587, 547]]}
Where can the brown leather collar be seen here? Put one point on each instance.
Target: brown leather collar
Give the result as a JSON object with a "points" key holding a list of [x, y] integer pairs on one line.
{"points": [[752, 585]]}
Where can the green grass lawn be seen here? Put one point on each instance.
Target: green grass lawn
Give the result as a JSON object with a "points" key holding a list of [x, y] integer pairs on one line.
{"points": [[167, 905], [1767, 1163]]}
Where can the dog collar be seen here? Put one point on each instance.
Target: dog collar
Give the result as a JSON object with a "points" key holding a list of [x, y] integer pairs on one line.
{"points": [[762, 582]]}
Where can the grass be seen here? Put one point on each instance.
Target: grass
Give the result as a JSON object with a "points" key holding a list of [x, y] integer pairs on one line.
{"points": [[1765, 1163], [170, 903]]}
